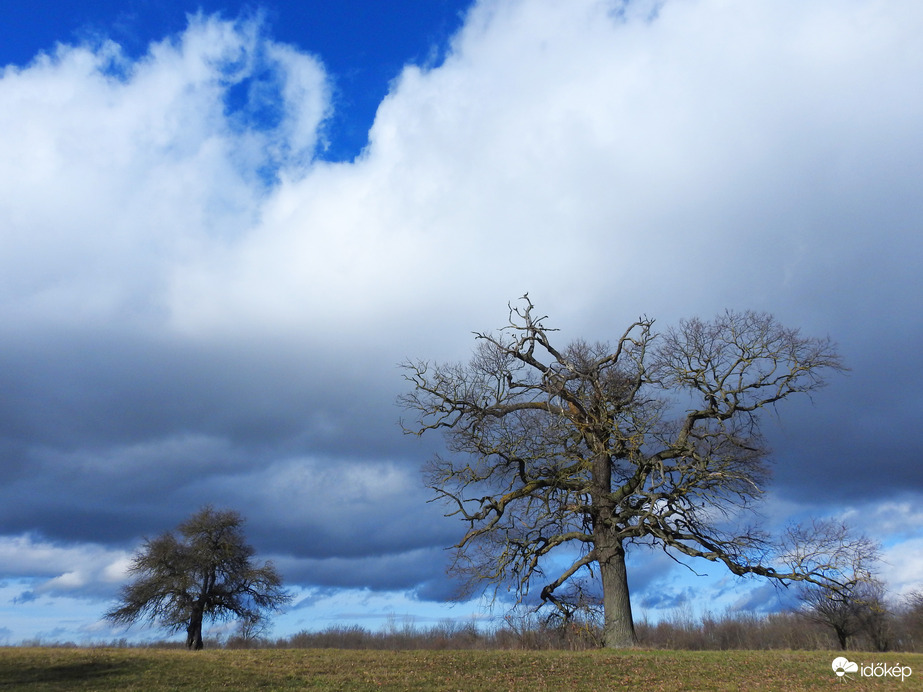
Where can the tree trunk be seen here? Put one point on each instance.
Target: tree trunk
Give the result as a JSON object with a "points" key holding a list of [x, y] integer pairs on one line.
{"points": [[618, 627], [194, 630], [842, 635]]}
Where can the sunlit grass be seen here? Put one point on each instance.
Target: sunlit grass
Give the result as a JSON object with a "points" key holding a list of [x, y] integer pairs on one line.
{"points": [[330, 669]]}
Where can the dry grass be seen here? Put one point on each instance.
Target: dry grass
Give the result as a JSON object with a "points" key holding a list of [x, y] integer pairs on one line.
{"points": [[330, 669]]}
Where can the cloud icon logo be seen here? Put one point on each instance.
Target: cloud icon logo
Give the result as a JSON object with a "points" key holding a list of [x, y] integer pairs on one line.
{"points": [[841, 666]]}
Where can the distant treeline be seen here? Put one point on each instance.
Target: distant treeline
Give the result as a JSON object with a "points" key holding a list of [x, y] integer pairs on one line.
{"points": [[732, 630], [735, 630], [902, 630]]}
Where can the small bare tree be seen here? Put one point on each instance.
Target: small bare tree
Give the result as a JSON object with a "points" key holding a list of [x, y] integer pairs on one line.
{"points": [[911, 621], [856, 602], [875, 617], [206, 574], [577, 452]]}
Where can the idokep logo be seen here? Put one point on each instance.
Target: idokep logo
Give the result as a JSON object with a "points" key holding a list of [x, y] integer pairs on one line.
{"points": [[842, 665]]}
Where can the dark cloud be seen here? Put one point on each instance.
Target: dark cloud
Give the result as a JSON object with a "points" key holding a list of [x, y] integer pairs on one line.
{"points": [[768, 598], [664, 600], [855, 438], [437, 590], [399, 571]]}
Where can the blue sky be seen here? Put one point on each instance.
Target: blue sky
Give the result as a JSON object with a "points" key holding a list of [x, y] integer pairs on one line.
{"points": [[222, 230], [363, 44]]}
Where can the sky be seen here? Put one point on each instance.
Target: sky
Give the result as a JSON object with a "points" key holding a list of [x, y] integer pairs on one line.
{"points": [[222, 226]]}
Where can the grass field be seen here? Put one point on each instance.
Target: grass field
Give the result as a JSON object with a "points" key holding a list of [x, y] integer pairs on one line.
{"points": [[329, 669]]}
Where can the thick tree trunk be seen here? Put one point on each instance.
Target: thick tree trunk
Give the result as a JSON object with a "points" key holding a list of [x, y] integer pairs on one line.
{"points": [[619, 627], [194, 631]]}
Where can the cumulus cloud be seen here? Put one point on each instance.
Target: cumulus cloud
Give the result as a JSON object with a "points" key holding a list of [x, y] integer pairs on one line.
{"points": [[76, 571], [196, 307], [706, 158], [116, 171], [903, 565]]}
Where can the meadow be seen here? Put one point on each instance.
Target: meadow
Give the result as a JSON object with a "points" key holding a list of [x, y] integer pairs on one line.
{"points": [[101, 669]]}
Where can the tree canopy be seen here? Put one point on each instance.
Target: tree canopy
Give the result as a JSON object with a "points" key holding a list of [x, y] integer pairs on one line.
{"points": [[569, 455], [207, 572]]}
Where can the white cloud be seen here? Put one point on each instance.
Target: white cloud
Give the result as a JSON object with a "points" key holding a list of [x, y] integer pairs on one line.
{"points": [[717, 154], [903, 567], [900, 518], [116, 172], [84, 570]]}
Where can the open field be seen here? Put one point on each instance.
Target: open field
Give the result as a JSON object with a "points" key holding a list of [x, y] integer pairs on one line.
{"points": [[330, 669]]}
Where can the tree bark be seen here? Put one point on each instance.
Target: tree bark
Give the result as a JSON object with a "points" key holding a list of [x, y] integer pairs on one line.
{"points": [[842, 637], [194, 630], [618, 626]]}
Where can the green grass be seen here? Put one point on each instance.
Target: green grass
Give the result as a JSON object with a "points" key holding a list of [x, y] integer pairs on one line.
{"points": [[328, 669]]}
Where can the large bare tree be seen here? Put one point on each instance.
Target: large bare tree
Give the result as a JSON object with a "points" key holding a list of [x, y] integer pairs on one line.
{"points": [[568, 455], [208, 573]]}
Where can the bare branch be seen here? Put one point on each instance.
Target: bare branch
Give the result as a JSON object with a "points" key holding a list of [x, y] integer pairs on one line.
{"points": [[554, 447]]}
